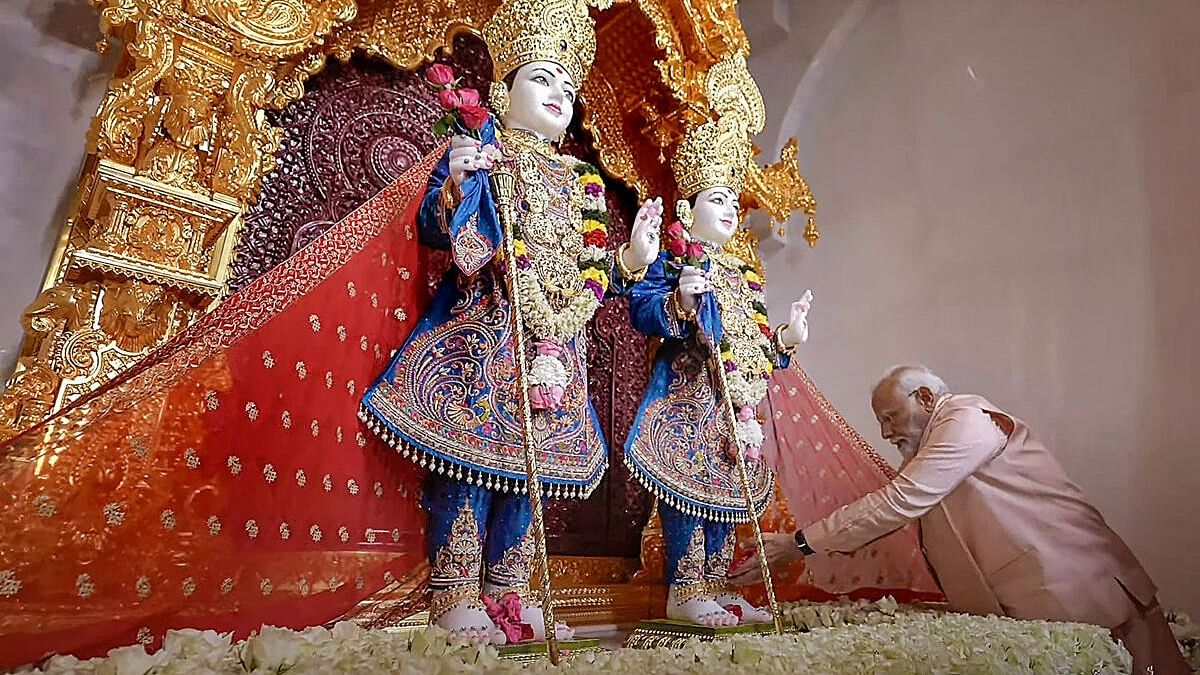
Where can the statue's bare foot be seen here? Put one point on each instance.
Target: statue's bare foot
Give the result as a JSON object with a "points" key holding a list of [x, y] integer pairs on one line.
{"points": [[701, 610], [532, 615], [749, 613], [467, 619]]}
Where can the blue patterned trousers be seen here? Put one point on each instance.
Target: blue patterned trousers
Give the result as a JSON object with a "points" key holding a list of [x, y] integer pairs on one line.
{"points": [[477, 534], [698, 550]]}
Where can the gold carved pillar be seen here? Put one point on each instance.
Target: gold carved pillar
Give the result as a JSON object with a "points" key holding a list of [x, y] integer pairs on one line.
{"points": [[176, 150]]}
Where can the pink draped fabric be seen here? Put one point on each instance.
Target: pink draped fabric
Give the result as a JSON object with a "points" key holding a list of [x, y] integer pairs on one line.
{"points": [[822, 464]]}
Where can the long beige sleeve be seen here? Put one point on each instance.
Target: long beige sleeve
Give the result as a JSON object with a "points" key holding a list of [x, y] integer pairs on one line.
{"points": [[961, 440]]}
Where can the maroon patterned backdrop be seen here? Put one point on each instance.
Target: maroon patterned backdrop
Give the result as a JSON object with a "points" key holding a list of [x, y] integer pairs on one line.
{"points": [[357, 128]]}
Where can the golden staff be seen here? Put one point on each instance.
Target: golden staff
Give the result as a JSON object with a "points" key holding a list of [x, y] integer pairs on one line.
{"points": [[723, 382], [504, 185]]}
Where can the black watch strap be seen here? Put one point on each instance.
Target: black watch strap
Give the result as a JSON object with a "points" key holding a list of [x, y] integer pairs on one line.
{"points": [[802, 543]]}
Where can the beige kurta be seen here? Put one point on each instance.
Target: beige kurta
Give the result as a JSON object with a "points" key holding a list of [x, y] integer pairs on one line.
{"points": [[1003, 527]]}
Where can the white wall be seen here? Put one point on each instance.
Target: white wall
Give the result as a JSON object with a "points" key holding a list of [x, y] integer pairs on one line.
{"points": [[1009, 192], [51, 81]]}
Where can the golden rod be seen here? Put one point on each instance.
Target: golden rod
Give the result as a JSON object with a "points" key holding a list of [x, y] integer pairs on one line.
{"points": [[772, 603], [504, 185]]}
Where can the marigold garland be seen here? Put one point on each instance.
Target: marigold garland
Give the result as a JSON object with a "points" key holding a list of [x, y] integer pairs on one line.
{"points": [[561, 326]]}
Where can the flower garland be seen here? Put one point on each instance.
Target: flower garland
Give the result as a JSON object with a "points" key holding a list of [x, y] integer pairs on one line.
{"points": [[921, 642], [554, 328], [748, 357]]}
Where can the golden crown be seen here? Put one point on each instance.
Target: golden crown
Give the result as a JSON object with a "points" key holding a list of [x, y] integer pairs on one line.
{"points": [[560, 31], [719, 151], [714, 153]]}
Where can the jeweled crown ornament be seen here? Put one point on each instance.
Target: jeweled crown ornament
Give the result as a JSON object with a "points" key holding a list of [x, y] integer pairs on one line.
{"points": [[719, 151], [560, 31], [714, 153]]}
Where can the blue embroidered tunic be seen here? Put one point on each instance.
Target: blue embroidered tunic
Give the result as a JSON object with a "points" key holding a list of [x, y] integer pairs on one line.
{"points": [[449, 397], [678, 445]]}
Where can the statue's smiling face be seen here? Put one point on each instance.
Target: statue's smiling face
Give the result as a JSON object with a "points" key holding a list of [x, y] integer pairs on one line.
{"points": [[542, 99], [715, 214]]}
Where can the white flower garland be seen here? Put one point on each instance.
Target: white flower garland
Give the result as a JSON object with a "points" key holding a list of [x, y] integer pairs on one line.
{"points": [[749, 433], [891, 639], [547, 370], [541, 319]]}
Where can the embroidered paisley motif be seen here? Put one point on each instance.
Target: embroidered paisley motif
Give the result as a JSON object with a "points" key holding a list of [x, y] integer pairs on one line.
{"points": [[679, 452], [717, 565], [516, 565], [471, 249]]}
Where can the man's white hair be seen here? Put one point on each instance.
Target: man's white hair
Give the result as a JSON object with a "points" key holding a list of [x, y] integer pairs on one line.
{"points": [[909, 377]]}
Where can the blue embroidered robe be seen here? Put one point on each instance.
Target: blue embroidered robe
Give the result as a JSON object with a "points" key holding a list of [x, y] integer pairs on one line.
{"points": [[677, 447], [449, 397]]}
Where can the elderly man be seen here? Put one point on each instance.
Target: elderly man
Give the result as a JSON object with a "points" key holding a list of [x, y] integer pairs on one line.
{"points": [[1004, 529]]}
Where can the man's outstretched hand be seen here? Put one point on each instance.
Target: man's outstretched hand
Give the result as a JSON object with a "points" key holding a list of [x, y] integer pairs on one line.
{"points": [[781, 550]]}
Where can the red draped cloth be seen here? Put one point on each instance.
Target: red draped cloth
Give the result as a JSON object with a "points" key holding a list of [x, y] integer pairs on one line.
{"points": [[225, 481], [821, 464]]}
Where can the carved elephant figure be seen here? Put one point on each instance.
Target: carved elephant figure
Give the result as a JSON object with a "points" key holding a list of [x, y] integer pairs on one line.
{"points": [[54, 307]]}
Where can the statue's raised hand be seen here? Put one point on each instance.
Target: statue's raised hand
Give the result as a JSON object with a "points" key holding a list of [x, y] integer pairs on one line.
{"points": [[797, 326], [468, 155], [643, 238]]}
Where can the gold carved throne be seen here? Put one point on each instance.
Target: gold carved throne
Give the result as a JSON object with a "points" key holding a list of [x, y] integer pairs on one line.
{"points": [[229, 138]]}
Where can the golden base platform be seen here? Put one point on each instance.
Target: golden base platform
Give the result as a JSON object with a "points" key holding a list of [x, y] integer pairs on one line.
{"points": [[532, 651], [674, 634]]}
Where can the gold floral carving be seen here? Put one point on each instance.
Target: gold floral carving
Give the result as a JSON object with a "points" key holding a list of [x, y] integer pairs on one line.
{"points": [[780, 190], [249, 140], [119, 126], [406, 34], [177, 149], [277, 28]]}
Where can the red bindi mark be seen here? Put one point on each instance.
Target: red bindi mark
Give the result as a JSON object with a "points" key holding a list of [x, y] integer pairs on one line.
{"points": [[558, 71]]}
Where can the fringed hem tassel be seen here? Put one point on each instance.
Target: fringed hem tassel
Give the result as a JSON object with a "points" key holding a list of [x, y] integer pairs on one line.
{"points": [[443, 467], [708, 513]]}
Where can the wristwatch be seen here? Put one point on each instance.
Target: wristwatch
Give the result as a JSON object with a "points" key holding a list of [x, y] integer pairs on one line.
{"points": [[802, 544]]}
